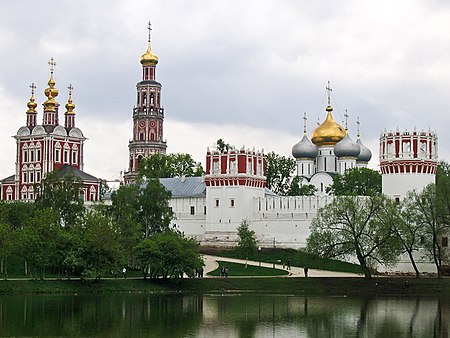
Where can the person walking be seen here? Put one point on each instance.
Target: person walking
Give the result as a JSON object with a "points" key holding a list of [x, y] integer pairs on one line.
{"points": [[305, 270], [124, 273]]}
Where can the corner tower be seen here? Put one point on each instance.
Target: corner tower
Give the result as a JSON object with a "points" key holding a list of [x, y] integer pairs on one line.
{"points": [[408, 161], [148, 115]]}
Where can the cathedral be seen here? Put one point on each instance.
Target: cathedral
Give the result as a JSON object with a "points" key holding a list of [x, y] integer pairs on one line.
{"points": [[47, 147]]}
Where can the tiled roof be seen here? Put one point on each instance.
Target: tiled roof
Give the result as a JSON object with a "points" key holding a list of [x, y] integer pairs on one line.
{"points": [[67, 170], [9, 179], [185, 186]]}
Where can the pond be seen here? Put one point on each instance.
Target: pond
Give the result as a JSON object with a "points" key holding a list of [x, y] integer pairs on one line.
{"points": [[227, 315]]}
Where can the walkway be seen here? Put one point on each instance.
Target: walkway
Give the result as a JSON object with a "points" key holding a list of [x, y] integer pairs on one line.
{"points": [[211, 264]]}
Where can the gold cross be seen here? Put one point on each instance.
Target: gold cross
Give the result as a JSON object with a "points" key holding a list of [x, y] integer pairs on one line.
{"points": [[328, 88], [33, 87], [358, 123], [70, 87], [52, 64], [149, 29]]}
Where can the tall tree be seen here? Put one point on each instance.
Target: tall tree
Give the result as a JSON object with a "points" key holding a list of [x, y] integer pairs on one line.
{"points": [[279, 171], [351, 226], [6, 247], [246, 240], [356, 182], [443, 192], [154, 213], [424, 205], [170, 165], [62, 194]]}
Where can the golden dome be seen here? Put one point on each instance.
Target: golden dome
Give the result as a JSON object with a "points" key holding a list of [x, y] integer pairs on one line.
{"points": [[329, 132], [148, 58], [70, 106], [31, 104]]}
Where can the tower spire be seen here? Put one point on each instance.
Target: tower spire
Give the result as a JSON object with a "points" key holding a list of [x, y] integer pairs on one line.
{"points": [[50, 105], [346, 120], [148, 58], [304, 123], [70, 114], [329, 90], [357, 126], [31, 112]]}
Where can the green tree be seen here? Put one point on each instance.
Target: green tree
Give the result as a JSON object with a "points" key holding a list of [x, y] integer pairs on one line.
{"points": [[403, 219], [424, 206], [356, 182], [222, 146], [443, 192], [279, 171], [246, 241], [170, 165], [168, 253], [101, 250], [154, 211], [125, 212], [62, 194], [354, 226], [297, 188], [6, 247]]}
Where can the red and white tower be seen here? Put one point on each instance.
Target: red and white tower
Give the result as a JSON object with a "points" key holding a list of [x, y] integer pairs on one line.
{"points": [[148, 115], [48, 147], [408, 161]]}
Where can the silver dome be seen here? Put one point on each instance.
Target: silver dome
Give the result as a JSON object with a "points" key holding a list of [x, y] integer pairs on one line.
{"points": [[365, 154], [346, 148], [305, 149]]}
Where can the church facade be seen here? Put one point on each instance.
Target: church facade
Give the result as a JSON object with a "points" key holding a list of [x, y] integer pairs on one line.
{"points": [[48, 147]]}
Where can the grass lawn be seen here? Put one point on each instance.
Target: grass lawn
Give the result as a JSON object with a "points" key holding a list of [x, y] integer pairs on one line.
{"points": [[236, 269], [280, 256]]}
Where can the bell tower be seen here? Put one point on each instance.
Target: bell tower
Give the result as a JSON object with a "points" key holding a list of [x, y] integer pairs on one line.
{"points": [[148, 115]]}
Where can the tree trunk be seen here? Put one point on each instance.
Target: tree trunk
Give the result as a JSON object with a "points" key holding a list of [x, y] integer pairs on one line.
{"points": [[413, 262]]}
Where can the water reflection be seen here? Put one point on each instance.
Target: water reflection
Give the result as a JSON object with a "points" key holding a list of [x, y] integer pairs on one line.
{"points": [[132, 315]]}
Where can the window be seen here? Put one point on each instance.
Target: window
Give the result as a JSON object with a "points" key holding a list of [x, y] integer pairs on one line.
{"points": [[204, 210], [38, 176], [57, 155], [24, 177], [31, 196], [192, 209], [66, 156], [25, 155], [217, 203], [74, 157], [232, 202], [9, 196], [397, 200], [31, 177], [38, 155], [31, 155]]}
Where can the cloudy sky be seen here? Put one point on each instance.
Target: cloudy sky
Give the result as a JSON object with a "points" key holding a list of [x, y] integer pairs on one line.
{"points": [[244, 71]]}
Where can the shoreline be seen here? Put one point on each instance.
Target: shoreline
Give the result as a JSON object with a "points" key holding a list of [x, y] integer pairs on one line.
{"points": [[311, 286]]}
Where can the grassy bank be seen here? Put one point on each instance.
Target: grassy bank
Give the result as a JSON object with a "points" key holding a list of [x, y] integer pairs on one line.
{"points": [[300, 286], [282, 256], [240, 270]]}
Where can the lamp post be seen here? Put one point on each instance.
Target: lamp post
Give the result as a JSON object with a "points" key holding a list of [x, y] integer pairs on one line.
{"points": [[259, 258]]}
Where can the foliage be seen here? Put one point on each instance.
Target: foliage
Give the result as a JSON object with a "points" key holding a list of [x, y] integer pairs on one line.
{"points": [[154, 211], [246, 239], [125, 212], [299, 189], [356, 182], [168, 254], [424, 206], [222, 146], [403, 218], [443, 192], [356, 226], [101, 248], [62, 194], [170, 165], [17, 214], [279, 170], [6, 246]]}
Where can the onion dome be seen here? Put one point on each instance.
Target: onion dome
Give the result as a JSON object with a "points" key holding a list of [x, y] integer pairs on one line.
{"points": [[346, 147], [148, 58], [329, 132], [365, 154], [305, 149], [70, 106], [51, 92], [32, 105]]}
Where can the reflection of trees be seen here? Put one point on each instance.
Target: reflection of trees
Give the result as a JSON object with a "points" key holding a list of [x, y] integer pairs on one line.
{"points": [[245, 315]]}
